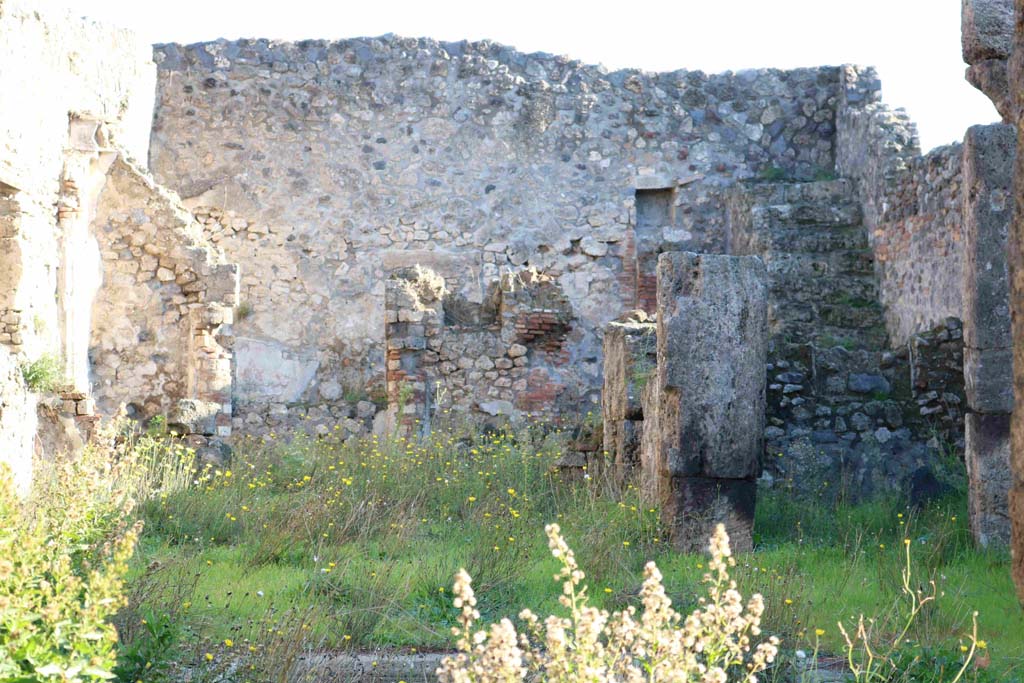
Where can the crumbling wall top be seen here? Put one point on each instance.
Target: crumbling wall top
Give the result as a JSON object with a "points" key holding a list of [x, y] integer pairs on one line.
{"points": [[66, 65]]}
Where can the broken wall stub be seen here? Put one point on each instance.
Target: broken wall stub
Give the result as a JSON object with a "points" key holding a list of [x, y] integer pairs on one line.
{"points": [[413, 316], [504, 360], [989, 153], [630, 357], [707, 396], [161, 319]]}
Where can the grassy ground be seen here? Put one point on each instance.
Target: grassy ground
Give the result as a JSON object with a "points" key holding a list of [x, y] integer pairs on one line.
{"points": [[324, 544]]}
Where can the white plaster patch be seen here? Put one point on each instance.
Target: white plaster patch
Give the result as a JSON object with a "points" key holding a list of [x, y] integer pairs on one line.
{"points": [[269, 370]]}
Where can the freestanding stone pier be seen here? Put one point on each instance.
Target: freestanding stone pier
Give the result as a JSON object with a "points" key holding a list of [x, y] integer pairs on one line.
{"points": [[704, 407], [988, 348], [993, 47]]}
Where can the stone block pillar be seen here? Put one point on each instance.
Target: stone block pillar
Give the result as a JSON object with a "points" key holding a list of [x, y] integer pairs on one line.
{"points": [[707, 396], [993, 46], [630, 354], [1015, 259], [988, 157]]}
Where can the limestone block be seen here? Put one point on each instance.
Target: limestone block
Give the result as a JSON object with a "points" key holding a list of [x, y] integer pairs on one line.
{"points": [[516, 351], [986, 29], [697, 504], [988, 471], [192, 416], [629, 361], [712, 352], [496, 408], [365, 410], [331, 390], [988, 160], [988, 379]]}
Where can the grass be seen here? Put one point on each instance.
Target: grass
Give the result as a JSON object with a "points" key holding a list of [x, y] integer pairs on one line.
{"points": [[828, 341], [320, 543]]}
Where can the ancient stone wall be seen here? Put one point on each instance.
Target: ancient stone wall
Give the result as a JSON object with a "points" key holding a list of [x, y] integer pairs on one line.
{"points": [[162, 315], [104, 275], [55, 67], [325, 166], [847, 415], [911, 206], [57, 71]]}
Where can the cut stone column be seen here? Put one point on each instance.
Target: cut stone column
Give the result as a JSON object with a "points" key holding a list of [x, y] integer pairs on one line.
{"points": [[709, 395], [988, 156], [630, 353]]}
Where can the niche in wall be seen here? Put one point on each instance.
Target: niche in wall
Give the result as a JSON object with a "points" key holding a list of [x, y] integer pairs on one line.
{"points": [[655, 212], [655, 208]]}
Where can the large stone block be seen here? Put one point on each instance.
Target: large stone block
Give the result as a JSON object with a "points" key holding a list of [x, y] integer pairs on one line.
{"points": [[694, 505], [712, 351], [704, 408], [986, 29], [650, 447], [192, 416], [988, 159], [988, 379], [629, 361], [1015, 258], [988, 472]]}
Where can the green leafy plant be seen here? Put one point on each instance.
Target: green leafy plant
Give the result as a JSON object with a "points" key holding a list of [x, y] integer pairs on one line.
{"points": [[61, 580], [243, 310], [773, 174], [44, 373], [147, 656]]}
